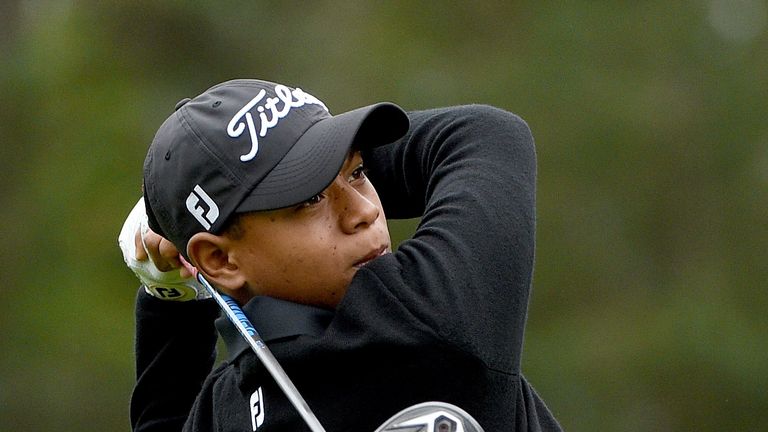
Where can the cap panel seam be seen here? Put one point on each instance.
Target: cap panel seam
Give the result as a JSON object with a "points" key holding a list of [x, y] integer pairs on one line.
{"points": [[189, 124], [157, 206]]}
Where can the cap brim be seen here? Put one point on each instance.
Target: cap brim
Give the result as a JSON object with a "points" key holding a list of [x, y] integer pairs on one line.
{"points": [[316, 158]]}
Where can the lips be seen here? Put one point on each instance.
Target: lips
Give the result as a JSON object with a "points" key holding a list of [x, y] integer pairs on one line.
{"points": [[374, 254]]}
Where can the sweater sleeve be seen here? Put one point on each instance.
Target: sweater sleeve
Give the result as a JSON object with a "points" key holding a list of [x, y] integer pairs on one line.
{"points": [[469, 172], [175, 351]]}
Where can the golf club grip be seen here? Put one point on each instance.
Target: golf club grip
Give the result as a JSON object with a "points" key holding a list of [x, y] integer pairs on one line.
{"points": [[246, 329]]}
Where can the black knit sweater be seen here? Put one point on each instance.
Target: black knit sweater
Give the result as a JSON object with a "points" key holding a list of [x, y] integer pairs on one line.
{"points": [[442, 318]]}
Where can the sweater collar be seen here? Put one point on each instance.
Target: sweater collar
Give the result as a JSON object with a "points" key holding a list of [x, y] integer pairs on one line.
{"points": [[274, 319]]}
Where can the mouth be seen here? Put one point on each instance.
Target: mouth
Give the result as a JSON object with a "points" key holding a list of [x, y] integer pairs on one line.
{"points": [[383, 250]]}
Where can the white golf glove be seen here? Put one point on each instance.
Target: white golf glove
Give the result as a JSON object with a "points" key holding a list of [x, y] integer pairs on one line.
{"points": [[167, 285]]}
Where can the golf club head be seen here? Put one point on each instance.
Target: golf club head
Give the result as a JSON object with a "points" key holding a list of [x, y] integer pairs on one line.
{"points": [[431, 417]]}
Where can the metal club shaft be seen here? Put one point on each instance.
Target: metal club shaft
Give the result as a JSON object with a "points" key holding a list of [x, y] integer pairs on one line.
{"points": [[246, 329]]}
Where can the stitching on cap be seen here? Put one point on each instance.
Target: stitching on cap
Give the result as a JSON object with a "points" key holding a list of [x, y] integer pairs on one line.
{"points": [[190, 125]]}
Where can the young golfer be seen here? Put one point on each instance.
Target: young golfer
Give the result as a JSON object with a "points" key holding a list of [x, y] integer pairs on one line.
{"points": [[283, 207]]}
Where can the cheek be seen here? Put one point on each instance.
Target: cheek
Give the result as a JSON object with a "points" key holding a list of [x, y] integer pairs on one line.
{"points": [[310, 250], [319, 270]]}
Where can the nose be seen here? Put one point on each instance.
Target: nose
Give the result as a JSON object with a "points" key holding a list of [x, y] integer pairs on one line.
{"points": [[356, 210]]}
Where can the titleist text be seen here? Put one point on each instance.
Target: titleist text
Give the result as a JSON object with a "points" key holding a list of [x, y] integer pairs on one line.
{"points": [[270, 113]]}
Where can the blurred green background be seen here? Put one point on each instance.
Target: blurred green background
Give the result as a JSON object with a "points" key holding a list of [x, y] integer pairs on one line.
{"points": [[649, 302]]}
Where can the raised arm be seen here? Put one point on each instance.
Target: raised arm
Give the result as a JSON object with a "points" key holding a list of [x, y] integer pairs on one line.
{"points": [[470, 173]]}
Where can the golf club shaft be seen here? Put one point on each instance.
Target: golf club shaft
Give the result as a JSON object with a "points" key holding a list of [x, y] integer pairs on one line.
{"points": [[246, 329]]}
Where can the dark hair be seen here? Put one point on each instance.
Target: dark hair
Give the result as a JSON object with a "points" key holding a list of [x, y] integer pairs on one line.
{"points": [[234, 228]]}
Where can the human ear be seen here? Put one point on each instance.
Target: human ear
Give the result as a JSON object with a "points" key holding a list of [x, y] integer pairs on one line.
{"points": [[210, 254]]}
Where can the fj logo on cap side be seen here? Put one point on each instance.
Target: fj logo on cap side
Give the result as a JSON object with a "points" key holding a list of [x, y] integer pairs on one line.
{"points": [[270, 113], [205, 217]]}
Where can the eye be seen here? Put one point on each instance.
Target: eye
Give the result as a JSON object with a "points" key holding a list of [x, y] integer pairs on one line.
{"points": [[311, 202], [357, 174]]}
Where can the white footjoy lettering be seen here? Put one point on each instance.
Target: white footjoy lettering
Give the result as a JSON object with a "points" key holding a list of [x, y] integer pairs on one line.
{"points": [[257, 409], [206, 218]]}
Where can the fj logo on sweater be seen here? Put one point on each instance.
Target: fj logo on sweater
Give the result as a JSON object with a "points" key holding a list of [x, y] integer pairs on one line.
{"points": [[257, 409], [270, 113], [205, 217]]}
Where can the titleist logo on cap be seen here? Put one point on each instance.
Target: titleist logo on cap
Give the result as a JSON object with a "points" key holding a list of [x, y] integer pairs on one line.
{"points": [[270, 112]]}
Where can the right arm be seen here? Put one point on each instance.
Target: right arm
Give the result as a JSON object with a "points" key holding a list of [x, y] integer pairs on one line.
{"points": [[175, 351], [175, 340], [469, 172]]}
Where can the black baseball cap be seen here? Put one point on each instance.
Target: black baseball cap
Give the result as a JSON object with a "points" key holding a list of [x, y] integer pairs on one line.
{"points": [[250, 145]]}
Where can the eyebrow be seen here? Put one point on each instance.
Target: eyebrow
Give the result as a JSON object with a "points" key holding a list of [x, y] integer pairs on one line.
{"points": [[351, 155]]}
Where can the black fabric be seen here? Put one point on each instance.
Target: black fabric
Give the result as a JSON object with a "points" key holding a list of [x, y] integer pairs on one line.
{"points": [[274, 319], [175, 350], [442, 318]]}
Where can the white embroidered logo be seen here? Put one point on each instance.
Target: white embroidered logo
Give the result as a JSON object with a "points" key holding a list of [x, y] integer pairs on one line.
{"points": [[206, 219], [270, 114], [257, 409]]}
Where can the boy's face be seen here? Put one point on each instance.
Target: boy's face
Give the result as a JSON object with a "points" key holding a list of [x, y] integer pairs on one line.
{"points": [[310, 252]]}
